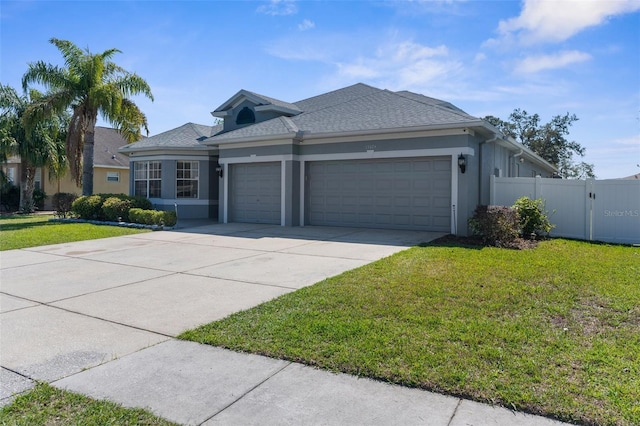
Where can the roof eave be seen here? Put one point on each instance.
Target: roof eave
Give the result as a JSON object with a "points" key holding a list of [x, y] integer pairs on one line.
{"points": [[127, 150]]}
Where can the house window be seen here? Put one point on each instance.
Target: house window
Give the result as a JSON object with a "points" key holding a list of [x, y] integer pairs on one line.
{"points": [[113, 176], [147, 177], [11, 174], [246, 116], [187, 179], [38, 179]]}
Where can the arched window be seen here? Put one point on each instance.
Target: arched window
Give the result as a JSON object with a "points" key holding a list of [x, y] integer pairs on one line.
{"points": [[246, 116]]}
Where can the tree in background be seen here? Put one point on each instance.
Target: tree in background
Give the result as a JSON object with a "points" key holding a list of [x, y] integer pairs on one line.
{"points": [[38, 146], [548, 140], [88, 84]]}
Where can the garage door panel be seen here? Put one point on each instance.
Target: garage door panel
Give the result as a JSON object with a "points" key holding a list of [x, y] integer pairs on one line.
{"points": [[254, 193], [411, 193]]}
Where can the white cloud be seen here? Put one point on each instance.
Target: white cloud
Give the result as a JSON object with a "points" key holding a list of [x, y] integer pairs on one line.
{"points": [[536, 63], [306, 25], [279, 8], [556, 21]]}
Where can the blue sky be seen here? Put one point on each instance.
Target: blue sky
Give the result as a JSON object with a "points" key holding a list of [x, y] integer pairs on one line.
{"points": [[486, 57]]}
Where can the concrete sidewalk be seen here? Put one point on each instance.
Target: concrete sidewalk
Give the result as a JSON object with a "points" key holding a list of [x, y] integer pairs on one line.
{"points": [[98, 317]]}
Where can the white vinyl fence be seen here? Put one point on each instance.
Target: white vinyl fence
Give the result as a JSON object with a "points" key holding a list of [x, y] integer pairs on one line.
{"points": [[595, 210]]}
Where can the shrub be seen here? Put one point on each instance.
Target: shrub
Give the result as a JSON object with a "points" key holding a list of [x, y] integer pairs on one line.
{"points": [[38, 198], [497, 225], [153, 217], [141, 203], [533, 216], [62, 203], [10, 197], [88, 207], [116, 209], [170, 218]]}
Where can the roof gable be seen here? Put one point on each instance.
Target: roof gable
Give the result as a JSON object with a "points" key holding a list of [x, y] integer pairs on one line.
{"points": [[261, 102]]}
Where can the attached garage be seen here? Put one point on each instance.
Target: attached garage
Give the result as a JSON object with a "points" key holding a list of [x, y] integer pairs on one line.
{"points": [[405, 193], [254, 193]]}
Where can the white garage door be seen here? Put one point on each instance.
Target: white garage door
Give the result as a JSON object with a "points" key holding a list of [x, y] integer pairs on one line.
{"points": [[254, 193], [408, 193]]}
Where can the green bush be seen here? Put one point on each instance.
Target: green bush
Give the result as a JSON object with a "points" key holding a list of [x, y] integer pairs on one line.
{"points": [[62, 202], [497, 225], [38, 198], [10, 197], [88, 207], [533, 216], [170, 218], [153, 217], [116, 209], [141, 203]]}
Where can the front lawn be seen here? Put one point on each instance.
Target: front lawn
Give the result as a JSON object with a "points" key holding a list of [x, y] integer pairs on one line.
{"points": [[552, 331], [22, 231], [46, 405]]}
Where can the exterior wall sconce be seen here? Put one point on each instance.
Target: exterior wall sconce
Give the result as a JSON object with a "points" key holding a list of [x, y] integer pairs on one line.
{"points": [[462, 163], [219, 170]]}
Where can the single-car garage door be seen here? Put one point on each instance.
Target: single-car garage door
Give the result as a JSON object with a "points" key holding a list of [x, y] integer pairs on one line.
{"points": [[411, 193], [254, 193]]}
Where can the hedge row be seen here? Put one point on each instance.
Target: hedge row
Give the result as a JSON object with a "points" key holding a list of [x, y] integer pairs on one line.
{"points": [[153, 217], [112, 207], [116, 208]]}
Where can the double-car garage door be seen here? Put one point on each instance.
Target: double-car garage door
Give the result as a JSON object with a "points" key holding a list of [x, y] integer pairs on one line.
{"points": [[411, 193], [399, 193]]}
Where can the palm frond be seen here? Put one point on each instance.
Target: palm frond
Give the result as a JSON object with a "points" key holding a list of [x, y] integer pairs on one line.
{"points": [[71, 53], [48, 75]]}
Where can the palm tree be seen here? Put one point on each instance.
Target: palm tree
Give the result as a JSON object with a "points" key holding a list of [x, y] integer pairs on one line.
{"points": [[88, 84], [38, 146]]}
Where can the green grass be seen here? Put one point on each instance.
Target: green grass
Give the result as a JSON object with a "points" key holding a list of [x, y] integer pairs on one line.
{"points": [[46, 405], [18, 231], [553, 331]]}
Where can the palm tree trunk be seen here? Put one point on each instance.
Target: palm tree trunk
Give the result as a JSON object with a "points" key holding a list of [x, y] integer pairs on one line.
{"points": [[87, 158], [27, 185]]}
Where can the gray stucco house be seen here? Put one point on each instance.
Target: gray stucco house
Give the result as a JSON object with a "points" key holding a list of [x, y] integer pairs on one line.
{"points": [[357, 156]]}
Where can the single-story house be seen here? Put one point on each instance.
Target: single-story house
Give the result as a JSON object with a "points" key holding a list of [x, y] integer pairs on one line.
{"points": [[358, 156], [110, 169]]}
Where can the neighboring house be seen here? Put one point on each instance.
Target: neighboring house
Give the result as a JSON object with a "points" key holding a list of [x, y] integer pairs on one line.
{"points": [[358, 156], [110, 169]]}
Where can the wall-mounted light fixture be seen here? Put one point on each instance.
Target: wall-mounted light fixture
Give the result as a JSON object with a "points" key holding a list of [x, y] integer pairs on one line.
{"points": [[521, 159], [462, 163], [219, 170]]}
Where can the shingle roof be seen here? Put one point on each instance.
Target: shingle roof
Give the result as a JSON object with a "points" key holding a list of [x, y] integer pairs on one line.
{"points": [[336, 97], [357, 108], [188, 135], [106, 145], [277, 102]]}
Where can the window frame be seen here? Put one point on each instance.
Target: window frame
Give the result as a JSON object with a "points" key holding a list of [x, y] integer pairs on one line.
{"points": [[151, 176], [111, 175], [186, 174]]}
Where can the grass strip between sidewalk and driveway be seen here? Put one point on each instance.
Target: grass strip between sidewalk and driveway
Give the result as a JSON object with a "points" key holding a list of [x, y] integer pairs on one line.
{"points": [[552, 331], [46, 405], [23, 231]]}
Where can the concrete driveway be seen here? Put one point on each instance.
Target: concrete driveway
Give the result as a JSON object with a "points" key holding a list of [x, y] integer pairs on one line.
{"points": [[69, 307]]}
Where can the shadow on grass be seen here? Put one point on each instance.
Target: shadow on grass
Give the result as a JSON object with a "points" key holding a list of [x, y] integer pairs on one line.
{"points": [[7, 223], [454, 241]]}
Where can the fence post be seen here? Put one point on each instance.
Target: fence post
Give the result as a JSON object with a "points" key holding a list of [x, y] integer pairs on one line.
{"points": [[589, 197], [537, 190], [492, 190]]}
